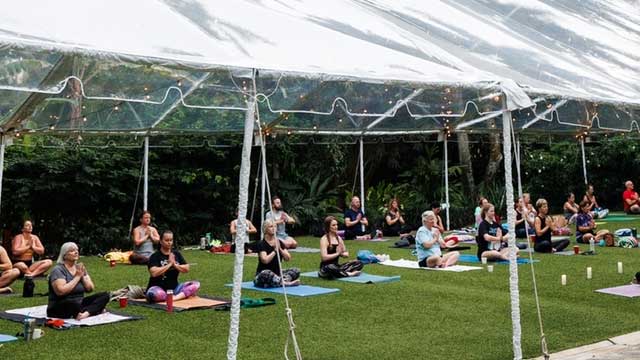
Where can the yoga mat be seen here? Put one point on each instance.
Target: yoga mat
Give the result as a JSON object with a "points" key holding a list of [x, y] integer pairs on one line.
{"points": [[300, 290], [302, 249], [564, 253], [40, 312], [375, 240], [474, 259], [7, 338], [192, 303], [618, 218], [363, 278], [411, 264], [629, 291]]}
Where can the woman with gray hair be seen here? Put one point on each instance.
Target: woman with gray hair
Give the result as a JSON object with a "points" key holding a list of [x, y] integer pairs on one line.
{"points": [[68, 282], [429, 242]]}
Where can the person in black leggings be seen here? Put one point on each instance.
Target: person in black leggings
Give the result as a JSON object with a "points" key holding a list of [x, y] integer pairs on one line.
{"points": [[544, 225]]}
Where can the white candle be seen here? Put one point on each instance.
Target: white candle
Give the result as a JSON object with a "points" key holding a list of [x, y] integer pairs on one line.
{"points": [[619, 267], [490, 268], [484, 260], [589, 274], [563, 279]]}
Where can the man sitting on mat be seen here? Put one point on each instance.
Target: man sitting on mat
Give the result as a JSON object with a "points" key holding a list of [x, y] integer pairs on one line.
{"points": [[281, 219], [355, 222], [144, 237], [7, 273], [268, 271], [24, 246], [630, 199], [428, 243], [164, 267], [331, 249]]}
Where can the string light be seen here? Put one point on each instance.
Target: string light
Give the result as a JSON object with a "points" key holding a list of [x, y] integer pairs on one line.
{"points": [[84, 118], [179, 83], [116, 108], [52, 127]]}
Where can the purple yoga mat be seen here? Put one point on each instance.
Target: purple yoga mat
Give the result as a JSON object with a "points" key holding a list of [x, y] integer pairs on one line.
{"points": [[629, 291]]}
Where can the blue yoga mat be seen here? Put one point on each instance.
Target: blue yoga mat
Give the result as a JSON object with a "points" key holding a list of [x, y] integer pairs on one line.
{"points": [[474, 259], [6, 338], [300, 290], [360, 279]]}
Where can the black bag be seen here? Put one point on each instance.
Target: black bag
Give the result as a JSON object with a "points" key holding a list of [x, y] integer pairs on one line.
{"points": [[409, 238], [29, 287]]}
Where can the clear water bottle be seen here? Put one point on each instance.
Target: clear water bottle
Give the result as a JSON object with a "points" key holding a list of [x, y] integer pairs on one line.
{"points": [[592, 245]]}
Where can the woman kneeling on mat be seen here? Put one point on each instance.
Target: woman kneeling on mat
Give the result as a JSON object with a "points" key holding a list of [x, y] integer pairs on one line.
{"points": [[164, 267], [428, 243], [331, 249], [268, 271], [544, 226], [68, 282]]}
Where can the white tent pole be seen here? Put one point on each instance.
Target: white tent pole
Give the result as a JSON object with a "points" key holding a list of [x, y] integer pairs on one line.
{"points": [[241, 237], [263, 170], [146, 174], [511, 218], [362, 178], [446, 175], [584, 161], [2, 144]]}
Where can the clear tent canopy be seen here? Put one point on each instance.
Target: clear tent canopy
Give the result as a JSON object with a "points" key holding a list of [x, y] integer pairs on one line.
{"points": [[186, 67], [357, 68]]}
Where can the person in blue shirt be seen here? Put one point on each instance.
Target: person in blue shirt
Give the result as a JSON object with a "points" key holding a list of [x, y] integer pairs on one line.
{"points": [[429, 242]]}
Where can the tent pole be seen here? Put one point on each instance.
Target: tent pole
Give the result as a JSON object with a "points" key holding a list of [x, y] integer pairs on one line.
{"points": [[518, 166], [584, 161], [146, 174], [362, 178], [511, 218], [241, 237], [2, 145], [263, 184], [446, 175]]}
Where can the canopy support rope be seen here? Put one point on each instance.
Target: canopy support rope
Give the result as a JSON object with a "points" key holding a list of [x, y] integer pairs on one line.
{"points": [[146, 173], [584, 160], [255, 190], [288, 311], [446, 175], [543, 339]]}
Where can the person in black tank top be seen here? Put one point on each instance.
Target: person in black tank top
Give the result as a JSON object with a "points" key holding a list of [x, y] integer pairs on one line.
{"points": [[331, 249], [268, 273], [544, 225]]}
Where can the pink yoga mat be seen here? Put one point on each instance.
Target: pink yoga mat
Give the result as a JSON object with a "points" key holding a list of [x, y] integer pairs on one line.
{"points": [[629, 291]]}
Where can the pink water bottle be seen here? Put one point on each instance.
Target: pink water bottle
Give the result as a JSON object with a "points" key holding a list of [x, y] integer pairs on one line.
{"points": [[170, 301]]}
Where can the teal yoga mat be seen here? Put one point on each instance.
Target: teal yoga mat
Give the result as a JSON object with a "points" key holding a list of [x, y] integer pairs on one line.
{"points": [[474, 259], [360, 279]]}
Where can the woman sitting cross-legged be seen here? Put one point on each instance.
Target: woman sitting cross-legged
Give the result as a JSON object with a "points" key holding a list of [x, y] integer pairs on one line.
{"points": [[544, 226], [490, 238], [68, 282], [428, 243], [331, 249], [164, 267], [268, 271], [586, 226]]}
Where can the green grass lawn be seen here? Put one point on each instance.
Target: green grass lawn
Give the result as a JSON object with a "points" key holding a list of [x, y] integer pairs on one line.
{"points": [[426, 314]]}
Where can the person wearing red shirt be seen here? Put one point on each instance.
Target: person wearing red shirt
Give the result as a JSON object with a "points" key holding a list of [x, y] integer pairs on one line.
{"points": [[630, 199]]}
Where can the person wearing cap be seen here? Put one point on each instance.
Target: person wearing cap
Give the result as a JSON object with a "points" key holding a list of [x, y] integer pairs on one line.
{"points": [[164, 267]]}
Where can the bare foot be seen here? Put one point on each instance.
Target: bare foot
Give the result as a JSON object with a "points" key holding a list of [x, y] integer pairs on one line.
{"points": [[354, 273], [292, 283], [6, 290], [82, 315]]}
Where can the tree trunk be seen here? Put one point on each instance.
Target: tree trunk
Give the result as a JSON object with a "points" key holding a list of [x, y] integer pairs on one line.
{"points": [[495, 158], [465, 161]]}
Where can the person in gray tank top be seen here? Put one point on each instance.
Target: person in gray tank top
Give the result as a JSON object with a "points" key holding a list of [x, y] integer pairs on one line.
{"points": [[144, 237], [281, 219]]}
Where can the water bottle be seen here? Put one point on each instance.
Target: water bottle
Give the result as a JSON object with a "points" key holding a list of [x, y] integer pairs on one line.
{"points": [[29, 286], [203, 243], [29, 325], [592, 245], [170, 301]]}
